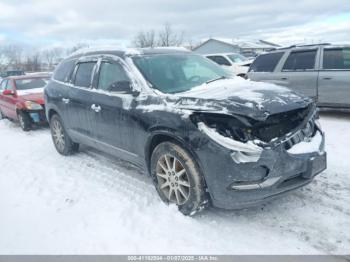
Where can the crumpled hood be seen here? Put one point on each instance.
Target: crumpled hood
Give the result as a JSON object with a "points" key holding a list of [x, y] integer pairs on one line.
{"points": [[238, 96]]}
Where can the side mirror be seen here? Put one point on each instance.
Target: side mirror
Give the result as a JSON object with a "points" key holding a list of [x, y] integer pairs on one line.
{"points": [[123, 87], [8, 92]]}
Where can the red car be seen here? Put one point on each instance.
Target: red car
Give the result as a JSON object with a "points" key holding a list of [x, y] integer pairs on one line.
{"points": [[22, 99]]}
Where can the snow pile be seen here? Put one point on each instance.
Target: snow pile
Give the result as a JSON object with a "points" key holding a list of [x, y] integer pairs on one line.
{"points": [[94, 204]]}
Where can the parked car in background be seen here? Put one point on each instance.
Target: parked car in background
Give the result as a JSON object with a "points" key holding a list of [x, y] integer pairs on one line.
{"points": [[236, 63], [11, 73], [318, 71], [202, 136], [21, 99]]}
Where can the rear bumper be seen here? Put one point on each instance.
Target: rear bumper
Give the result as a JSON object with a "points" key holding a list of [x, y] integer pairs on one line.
{"points": [[236, 186]]}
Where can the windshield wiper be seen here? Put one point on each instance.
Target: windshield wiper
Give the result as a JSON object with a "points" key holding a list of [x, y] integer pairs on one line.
{"points": [[215, 79]]}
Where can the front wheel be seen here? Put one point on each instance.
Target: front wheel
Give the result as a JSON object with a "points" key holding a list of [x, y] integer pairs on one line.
{"points": [[24, 121], [178, 178], [63, 143]]}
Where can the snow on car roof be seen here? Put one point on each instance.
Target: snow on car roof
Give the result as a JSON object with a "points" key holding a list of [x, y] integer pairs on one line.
{"points": [[120, 51], [30, 76]]}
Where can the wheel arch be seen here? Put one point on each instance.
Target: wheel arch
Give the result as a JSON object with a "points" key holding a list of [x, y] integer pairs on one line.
{"points": [[50, 113], [165, 136]]}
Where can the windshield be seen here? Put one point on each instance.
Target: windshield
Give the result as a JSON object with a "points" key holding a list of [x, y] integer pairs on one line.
{"points": [[237, 58], [174, 73], [25, 84]]}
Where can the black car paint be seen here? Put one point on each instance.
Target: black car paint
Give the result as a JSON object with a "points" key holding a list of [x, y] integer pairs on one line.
{"points": [[130, 132]]}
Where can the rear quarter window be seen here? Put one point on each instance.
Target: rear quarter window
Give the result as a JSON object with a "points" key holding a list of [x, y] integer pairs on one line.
{"points": [[336, 58], [63, 71], [266, 62]]}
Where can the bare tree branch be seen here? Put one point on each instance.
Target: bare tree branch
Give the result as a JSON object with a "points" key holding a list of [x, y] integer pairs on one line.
{"points": [[167, 37], [145, 39]]}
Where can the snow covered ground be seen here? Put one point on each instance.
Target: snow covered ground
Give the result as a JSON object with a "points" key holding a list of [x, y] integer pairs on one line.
{"points": [[93, 204]]}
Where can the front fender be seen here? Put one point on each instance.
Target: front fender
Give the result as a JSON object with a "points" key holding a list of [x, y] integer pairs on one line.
{"points": [[20, 106], [161, 134]]}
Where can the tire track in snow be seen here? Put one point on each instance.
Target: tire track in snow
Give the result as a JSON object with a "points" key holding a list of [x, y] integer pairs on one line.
{"points": [[307, 221]]}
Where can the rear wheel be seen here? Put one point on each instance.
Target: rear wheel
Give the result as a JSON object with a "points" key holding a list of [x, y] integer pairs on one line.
{"points": [[63, 143], [178, 178], [24, 121]]}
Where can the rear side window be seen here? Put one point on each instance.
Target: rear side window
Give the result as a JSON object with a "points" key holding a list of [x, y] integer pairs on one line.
{"points": [[338, 58], [266, 62], [83, 76], [220, 60], [300, 60], [64, 70]]}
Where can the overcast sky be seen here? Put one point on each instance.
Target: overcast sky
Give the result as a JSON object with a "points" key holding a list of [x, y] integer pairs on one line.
{"points": [[61, 22]]}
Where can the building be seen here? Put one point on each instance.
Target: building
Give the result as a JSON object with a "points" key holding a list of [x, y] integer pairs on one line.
{"points": [[245, 47]]}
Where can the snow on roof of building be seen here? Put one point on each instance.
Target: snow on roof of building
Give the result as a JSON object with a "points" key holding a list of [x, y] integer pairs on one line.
{"points": [[243, 43]]}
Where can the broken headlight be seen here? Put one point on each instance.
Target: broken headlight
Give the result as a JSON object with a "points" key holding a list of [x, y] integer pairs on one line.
{"points": [[231, 133], [32, 105], [235, 127]]}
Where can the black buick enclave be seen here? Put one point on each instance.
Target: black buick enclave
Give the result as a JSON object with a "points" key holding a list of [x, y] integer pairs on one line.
{"points": [[203, 136]]}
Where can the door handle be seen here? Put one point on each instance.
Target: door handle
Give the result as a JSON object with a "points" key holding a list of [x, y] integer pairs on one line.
{"points": [[65, 100], [327, 78], [284, 78], [96, 108]]}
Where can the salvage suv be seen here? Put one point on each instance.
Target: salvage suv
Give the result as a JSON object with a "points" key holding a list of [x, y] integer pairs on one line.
{"points": [[203, 137]]}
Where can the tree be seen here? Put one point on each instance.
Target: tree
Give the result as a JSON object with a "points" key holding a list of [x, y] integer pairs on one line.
{"points": [[145, 39], [33, 62], [167, 37], [3, 59], [52, 55], [13, 55]]}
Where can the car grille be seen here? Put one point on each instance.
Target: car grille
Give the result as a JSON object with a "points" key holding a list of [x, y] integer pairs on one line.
{"points": [[301, 135], [279, 125]]}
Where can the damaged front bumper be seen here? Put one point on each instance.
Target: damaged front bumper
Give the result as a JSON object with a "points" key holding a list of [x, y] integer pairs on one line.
{"points": [[37, 116], [238, 179]]}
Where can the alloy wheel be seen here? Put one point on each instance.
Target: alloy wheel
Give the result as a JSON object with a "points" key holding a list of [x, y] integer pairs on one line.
{"points": [[58, 135], [173, 179]]}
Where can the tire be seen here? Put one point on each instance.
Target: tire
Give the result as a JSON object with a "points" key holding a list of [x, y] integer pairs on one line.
{"points": [[1, 115], [24, 121], [181, 183], [63, 143]]}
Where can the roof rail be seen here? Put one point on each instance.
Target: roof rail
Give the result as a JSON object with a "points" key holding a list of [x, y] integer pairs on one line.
{"points": [[305, 45]]}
